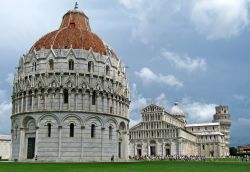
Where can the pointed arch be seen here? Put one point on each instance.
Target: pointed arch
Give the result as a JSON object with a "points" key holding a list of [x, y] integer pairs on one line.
{"points": [[71, 64]]}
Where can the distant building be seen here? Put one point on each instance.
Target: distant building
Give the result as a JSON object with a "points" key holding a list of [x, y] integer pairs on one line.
{"points": [[243, 149], [5, 147], [163, 133]]}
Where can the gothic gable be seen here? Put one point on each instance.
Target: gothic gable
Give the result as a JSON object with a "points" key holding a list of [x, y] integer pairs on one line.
{"points": [[152, 108]]}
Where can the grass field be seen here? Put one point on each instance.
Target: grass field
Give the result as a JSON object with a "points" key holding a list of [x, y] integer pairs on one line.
{"points": [[156, 166]]}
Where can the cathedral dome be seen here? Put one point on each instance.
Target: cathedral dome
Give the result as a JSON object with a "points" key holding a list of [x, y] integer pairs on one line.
{"points": [[74, 32]]}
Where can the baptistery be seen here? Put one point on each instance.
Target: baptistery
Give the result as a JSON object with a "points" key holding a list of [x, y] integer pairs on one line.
{"points": [[70, 97]]}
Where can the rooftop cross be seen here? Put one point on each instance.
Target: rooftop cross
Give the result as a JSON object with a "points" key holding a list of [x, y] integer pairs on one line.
{"points": [[76, 6]]}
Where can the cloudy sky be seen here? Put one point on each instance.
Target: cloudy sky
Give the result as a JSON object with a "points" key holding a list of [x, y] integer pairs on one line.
{"points": [[195, 52]]}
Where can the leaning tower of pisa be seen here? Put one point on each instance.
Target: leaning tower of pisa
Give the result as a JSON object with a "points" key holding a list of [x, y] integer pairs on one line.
{"points": [[222, 116]]}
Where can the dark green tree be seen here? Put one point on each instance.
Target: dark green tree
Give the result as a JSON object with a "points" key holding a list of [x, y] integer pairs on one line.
{"points": [[233, 151]]}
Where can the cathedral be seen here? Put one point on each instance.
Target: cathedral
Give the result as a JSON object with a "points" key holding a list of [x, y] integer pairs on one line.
{"points": [[162, 133], [70, 97]]}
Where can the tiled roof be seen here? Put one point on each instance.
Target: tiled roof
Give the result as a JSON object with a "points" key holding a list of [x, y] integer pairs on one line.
{"points": [[74, 32]]}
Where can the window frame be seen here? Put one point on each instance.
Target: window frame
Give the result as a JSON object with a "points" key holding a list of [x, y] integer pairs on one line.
{"points": [[93, 130], [71, 129]]}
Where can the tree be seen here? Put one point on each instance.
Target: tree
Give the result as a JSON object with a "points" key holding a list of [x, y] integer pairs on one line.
{"points": [[233, 151]]}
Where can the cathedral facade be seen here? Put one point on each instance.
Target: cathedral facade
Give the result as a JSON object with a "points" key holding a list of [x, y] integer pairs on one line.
{"points": [[162, 133], [70, 97]]}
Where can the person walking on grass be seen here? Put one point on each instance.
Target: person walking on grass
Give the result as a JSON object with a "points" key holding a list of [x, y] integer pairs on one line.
{"points": [[112, 158]]}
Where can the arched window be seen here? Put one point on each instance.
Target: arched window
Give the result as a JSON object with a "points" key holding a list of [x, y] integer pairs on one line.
{"points": [[92, 130], [51, 64], [65, 96], [110, 132], [72, 25], [107, 70], [71, 130], [90, 66], [94, 98], [71, 64], [49, 129]]}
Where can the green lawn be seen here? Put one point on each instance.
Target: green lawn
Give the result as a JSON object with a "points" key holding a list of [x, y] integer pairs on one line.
{"points": [[156, 166]]}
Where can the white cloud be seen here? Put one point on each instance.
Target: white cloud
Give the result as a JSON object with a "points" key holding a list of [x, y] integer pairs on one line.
{"points": [[220, 18], [215, 19], [198, 112], [138, 102], [161, 100], [151, 19], [5, 113], [184, 61], [149, 76], [10, 78]]}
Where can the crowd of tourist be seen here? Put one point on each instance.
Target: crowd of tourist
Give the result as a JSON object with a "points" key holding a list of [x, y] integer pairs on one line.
{"points": [[186, 158], [170, 158]]}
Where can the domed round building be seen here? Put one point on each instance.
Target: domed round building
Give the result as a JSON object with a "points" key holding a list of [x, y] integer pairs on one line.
{"points": [[70, 97]]}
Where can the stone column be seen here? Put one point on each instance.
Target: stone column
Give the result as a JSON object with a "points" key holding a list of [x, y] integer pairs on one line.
{"points": [[82, 147], [21, 144], [76, 98], [17, 103], [113, 105], [60, 99], [83, 99], [45, 99], [22, 102], [108, 103], [69, 99], [52, 100], [59, 141], [97, 102], [125, 145], [26, 101], [32, 100], [38, 100], [180, 146], [148, 147], [102, 103], [102, 131], [90, 100], [37, 141], [162, 151]]}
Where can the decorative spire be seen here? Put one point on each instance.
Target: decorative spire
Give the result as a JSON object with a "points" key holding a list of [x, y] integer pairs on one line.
{"points": [[76, 6]]}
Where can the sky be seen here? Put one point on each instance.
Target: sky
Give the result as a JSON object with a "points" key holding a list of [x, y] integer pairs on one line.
{"points": [[194, 52]]}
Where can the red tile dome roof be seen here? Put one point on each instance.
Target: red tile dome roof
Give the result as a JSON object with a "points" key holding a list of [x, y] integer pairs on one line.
{"points": [[74, 32]]}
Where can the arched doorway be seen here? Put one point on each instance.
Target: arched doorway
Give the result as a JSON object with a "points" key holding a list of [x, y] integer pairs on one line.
{"points": [[167, 149], [29, 139], [139, 150], [152, 148]]}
